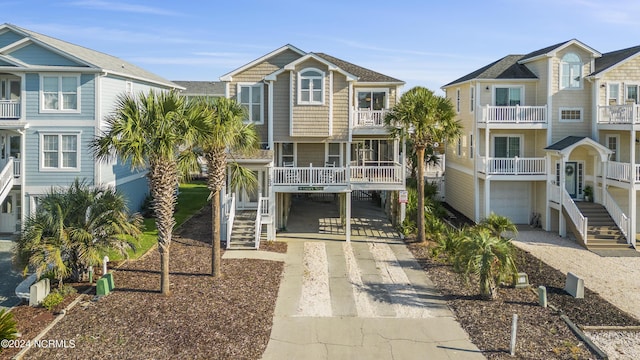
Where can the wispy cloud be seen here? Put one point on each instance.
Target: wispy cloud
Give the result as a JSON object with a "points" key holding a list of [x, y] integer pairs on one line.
{"points": [[123, 7]]}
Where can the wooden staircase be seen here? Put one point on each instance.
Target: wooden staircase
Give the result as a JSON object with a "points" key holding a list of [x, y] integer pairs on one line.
{"points": [[602, 232], [243, 235]]}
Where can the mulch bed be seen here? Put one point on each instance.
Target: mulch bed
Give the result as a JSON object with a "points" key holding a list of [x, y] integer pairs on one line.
{"points": [[541, 332], [204, 318]]}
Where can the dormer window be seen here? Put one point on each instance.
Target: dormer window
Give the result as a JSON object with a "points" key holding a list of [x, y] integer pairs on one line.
{"points": [[570, 72], [310, 87]]}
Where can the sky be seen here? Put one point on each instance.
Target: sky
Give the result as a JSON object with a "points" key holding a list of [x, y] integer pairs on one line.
{"points": [[424, 43]]}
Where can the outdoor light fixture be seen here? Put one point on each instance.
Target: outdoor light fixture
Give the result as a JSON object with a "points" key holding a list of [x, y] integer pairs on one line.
{"points": [[522, 280]]}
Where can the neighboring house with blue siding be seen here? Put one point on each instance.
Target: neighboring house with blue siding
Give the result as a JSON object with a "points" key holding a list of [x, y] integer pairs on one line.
{"points": [[54, 97]]}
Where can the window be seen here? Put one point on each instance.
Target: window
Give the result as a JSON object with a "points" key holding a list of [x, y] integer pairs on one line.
{"points": [[472, 98], [570, 72], [334, 152], [613, 94], [372, 99], [470, 146], [287, 153], [59, 152], [506, 146], [310, 85], [128, 87], [60, 93], [250, 97], [372, 153], [632, 93], [457, 100], [612, 142], [570, 114], [459, 147], [508, 96]]}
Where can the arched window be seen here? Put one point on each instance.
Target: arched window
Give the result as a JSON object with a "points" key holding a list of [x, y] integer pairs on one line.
{"points": [[310, 87], [570, 72]]}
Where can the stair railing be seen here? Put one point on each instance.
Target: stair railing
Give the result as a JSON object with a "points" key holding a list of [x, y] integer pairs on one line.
{"points": [[230, 218], [579, 220], [258, 226], [619, 217]]}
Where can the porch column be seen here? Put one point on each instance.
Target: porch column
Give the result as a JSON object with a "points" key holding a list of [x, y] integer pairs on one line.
{"points": [[487, 197], [604, 173], [562, 222], [632, 190], [347, 228], [547, 215]]}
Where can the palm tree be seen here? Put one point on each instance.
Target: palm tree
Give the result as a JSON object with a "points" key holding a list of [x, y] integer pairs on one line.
{"points": [[425, 119], [226, 134], [73, 227], [148, 132], [498, 224], [489, 257]]}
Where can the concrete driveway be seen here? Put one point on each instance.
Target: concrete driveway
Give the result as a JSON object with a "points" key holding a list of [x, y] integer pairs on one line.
{"points": [[9, 277]]}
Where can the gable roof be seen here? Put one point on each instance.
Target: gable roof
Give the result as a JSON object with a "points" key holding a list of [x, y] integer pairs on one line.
{"points": [[201, 88], [613, 58], [363, 74], [91, 58], [551, 50], [228, 76], [566, 146], [508, 67]]}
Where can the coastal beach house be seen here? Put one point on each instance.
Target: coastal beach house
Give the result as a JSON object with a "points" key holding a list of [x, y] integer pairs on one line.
{"points": [[550, 139], [54, 97], [320, 121]]}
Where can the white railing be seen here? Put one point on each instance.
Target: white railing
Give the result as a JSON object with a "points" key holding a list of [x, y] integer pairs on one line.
{"points": [[554, 193], [230, 209], [264, 203], [619, 114], [258, 224], [514, 114], [9, 109], [309, 176], [369, 118], [579, 220], [16, 168], [377, 174], [618, 216], [513, 166], [6, 180], [618, 171]]}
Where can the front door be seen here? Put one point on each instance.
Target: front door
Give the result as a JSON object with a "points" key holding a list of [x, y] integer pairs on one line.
{"points": [[571, 178], [8, 215], [248, 198]]}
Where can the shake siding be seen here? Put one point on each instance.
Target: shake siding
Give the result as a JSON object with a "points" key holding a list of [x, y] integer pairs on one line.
{"points": [[310, 120], [626, 73], [340, 108], [281, 103], [310, 154], [459, 190], [86, 101], [36, 55], [57, 178]]}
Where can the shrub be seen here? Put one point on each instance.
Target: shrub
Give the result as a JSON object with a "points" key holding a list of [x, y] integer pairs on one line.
{"points": [[8, 328], [67, 290], [52, 300]]}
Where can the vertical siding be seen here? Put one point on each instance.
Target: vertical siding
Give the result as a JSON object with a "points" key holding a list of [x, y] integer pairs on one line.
{"points": [[86, 101], [34, 177]]}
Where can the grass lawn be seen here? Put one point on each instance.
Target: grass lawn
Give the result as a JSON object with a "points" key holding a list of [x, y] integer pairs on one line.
{"points": [[191, 198]]}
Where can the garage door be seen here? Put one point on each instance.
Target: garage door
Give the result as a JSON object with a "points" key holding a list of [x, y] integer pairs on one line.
{"points": [[511, 199]]}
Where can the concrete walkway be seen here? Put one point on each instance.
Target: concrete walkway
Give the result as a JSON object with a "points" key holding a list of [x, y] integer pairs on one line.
{"points": [[616, 279], [367, 299]]}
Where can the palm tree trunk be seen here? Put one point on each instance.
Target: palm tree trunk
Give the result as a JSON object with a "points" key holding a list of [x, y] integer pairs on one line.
{"points": [[420, 220], [164, 269], [215, 230]]}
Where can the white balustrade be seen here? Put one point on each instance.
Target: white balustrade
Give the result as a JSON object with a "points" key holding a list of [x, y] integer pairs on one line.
{"points": [[619, 114], [579, 221], [513, 166], [9, 109], [618, 216], [231, 215], [554, 193], [369, 118], [514, 114]]}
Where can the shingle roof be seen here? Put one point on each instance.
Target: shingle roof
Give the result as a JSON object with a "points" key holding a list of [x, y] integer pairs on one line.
{"points": [[363, 74], [565, 143], [96, 58], [614, 57], [505, 68], [543, 51], [201, 88]]}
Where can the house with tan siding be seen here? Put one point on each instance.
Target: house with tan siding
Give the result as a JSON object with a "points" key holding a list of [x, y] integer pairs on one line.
{"points": [[320, 121], [550, 139]]}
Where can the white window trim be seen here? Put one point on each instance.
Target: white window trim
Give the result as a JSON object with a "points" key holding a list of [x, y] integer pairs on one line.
{"points": [[299, 91], [252, 85], [493, 143], [522, 94], [128, 88], [58, 111], [340, 154], [560, 73], [560, 119], [626, 90], [606, 144], [608, 93], [372, 90], [59, 134], [295, 153]]}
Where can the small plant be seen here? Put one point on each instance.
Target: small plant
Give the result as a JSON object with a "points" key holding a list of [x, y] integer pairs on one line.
{"points": [[588, 193], [8, 330], [52, 300], [67, 290]]}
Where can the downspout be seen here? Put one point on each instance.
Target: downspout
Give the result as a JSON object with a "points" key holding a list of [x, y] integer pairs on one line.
{"points": [[270, 116]]}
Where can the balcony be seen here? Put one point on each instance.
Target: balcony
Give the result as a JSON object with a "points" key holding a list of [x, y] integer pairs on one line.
{"points": [[360, 177], [512, 166], [367, 122], [513, 116], [9, 109], [622, 171], [619, 114]]}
